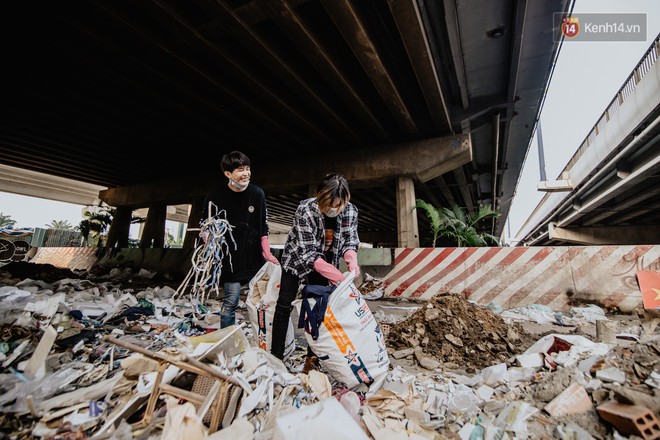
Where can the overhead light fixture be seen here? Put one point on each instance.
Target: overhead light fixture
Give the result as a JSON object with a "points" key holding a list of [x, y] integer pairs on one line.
{"points": [[563, 184], [497, 32], [623, 169]]}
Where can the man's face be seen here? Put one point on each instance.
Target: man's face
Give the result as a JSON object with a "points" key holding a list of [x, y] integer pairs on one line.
{"points": [[240, 175]]}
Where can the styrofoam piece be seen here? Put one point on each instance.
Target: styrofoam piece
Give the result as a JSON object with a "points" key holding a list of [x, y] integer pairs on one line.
{"points": [[532, 360], [494, 375], [484, 392], [611, 374], [466, 431], [320, 421], [351, 403]]}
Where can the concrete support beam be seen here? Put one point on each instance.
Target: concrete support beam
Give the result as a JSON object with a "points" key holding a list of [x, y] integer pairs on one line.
{"points": [[192, 231], [120, 228], [407, 229], [154, 228], [423, 160], [606, 235], [31, 183]]}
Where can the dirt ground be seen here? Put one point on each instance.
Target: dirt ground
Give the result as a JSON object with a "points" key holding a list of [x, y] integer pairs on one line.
{"points": [[461, 335]]}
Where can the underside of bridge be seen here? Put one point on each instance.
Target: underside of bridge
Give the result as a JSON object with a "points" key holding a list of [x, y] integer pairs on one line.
{"points": [[144, 97]]}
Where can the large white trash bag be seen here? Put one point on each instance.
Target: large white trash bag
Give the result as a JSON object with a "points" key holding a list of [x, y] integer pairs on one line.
{"points": [[345, 336], [264, 289]]}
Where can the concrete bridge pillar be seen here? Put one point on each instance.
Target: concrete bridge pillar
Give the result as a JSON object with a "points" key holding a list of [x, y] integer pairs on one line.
{"points": [[120, 227], [154, 228], [194, 217], [407, 229]]}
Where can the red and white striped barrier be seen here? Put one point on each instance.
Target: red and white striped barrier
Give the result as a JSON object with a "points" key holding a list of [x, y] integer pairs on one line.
{"points": [[520, 276], [74, 258]]}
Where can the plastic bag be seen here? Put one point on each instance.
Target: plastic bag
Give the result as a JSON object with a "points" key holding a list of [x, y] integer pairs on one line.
{"points": [[264, 289], [350, 344]]}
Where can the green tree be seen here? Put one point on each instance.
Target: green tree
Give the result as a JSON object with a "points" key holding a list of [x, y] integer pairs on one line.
{"points": [[61, 224], [6, 221], [435, 218], [458, 227], [171, 241]]}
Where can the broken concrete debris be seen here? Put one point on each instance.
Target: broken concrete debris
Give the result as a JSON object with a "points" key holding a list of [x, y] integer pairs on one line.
{"points": [[121, 357]]}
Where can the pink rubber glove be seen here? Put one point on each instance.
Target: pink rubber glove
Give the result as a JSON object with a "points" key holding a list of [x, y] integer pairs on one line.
{"points": [[328, 270], [265, 251], [350, 256]]}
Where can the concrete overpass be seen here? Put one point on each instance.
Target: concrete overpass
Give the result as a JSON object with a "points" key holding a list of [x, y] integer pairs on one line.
{"points": [[609, 192], [408, 98]]}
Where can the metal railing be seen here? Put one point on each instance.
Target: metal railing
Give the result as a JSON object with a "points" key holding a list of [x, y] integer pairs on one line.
{"points": [[624, 92]]}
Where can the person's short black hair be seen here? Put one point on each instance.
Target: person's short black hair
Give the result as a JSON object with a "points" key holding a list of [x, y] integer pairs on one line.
{"points": [[233, 160]]}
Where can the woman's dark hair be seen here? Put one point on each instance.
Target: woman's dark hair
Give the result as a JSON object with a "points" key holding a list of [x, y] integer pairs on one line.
{"points": [[333, 186], [233, 160]]}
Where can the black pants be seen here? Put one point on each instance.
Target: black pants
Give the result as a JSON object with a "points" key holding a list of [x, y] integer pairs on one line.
{"points": [[289, 285]]}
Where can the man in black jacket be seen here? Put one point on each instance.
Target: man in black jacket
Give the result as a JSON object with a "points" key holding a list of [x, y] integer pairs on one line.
{"points": [[244, 206]]}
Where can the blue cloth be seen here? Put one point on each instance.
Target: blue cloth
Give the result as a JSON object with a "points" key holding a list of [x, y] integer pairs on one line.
{"points": [[311, 317]]}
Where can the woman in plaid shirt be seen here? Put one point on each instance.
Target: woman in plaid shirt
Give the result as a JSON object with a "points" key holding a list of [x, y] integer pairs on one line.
{"points": [[324, 231]]}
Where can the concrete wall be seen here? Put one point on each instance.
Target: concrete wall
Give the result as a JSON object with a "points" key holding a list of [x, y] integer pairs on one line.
{"points": [[520, 276], [508, 276]]}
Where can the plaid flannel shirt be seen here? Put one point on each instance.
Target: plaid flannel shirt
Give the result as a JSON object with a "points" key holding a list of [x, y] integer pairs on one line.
{"points": [[306, 239]]}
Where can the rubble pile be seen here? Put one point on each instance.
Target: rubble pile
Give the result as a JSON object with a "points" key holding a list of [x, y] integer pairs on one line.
{"points": [[102, 358], [460, 335]]}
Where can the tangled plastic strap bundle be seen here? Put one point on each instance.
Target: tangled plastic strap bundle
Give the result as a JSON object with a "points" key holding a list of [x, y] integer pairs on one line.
{"points": [[207, 258]]}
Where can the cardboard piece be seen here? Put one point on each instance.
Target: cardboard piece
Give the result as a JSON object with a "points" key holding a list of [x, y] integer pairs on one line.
{"points": [[38, 360]]}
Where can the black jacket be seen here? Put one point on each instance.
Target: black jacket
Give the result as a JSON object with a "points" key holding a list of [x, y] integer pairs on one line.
{"points": [[246, 213]]}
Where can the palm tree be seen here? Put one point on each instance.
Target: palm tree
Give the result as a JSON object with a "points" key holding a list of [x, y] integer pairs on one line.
{"points": [[458, 226], [6, 221], [60, 224], [96, 219], [434, 216]]}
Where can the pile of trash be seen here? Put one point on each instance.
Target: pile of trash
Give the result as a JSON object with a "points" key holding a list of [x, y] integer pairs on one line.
{"points": [[90, 358]]}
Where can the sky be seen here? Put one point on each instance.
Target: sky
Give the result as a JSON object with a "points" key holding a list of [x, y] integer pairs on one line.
{"points": [[34, 212], [586, 77]]}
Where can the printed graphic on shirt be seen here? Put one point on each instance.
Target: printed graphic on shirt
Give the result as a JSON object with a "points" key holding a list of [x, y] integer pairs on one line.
{"points": [[329, 235]]}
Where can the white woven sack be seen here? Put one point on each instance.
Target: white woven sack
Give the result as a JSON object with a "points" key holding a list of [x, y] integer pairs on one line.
{"points": [[264, 289], [350, 344]]}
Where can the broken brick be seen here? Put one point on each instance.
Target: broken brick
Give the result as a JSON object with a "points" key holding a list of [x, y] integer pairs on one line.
{"points": [[573, 400], [631, 419]]}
